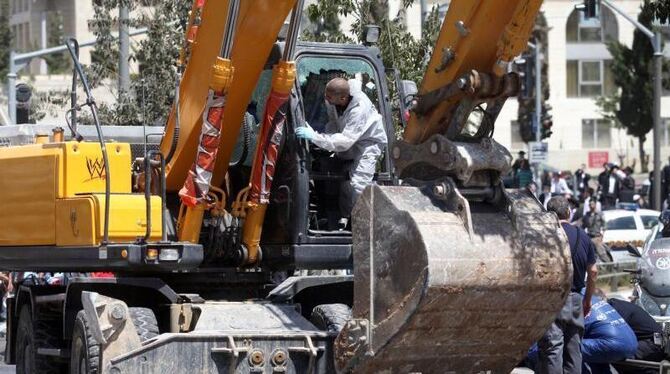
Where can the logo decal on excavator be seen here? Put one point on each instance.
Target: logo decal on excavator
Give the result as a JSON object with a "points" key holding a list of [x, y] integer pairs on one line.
{"points": [[96, 169]]}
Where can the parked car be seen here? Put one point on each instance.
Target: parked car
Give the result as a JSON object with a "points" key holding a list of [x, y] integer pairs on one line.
{"points": [[627, 226]]}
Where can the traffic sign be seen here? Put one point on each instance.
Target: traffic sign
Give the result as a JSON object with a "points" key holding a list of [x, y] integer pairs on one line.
{"points": [[538, 152]]}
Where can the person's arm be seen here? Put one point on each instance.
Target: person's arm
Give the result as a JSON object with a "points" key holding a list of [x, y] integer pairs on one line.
{"points": [[592, 275], [356, 126]]}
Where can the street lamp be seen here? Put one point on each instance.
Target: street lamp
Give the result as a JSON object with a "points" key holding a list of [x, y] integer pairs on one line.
{"points": [[590, 8]]}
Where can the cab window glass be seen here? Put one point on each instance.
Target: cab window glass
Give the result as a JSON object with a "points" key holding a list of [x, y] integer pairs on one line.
{"points": [[315, 72], [251, 121], [649, 221], [621, 223]]}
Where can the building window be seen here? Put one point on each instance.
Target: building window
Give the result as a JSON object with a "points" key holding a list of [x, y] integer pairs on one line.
{"points": [[517, 142], [14, 39], [589, 78], [596, 133], [593, 30]]}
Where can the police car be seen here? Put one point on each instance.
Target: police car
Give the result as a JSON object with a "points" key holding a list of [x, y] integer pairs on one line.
{"points": [[627, 225]]}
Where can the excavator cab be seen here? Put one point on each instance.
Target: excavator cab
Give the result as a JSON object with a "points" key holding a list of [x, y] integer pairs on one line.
{"points": [[301, 227], [328, 172]]}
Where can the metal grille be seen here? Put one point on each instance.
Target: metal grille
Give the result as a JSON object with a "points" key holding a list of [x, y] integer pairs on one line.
{"points": [[137, 149]]}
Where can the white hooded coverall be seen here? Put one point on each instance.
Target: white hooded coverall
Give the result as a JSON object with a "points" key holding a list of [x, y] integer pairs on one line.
{"points": [[357, 135]]}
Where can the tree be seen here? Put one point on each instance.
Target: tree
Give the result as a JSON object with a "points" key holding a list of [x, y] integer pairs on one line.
{"points": [[152, 90], [157, 56], [632, 70], [5, 39], [324, 24], [398, 47], [57, 62], [660, 8]]}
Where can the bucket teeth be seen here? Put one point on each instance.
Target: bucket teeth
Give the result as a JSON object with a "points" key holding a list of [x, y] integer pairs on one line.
{"points": [[435, 298]]}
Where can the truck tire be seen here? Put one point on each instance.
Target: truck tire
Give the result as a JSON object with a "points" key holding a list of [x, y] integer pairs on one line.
{"points": [[31, 335], [145, 323], [85, 351], [330, 317]]}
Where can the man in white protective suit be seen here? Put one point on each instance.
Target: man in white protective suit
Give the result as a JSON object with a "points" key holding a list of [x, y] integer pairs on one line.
{"points": [[355, 132]]}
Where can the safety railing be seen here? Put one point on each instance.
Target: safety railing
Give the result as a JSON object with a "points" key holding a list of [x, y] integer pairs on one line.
{"points": [[663, 367], [614, 271]]}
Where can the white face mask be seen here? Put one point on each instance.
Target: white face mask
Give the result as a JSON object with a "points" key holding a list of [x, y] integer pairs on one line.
{"points": [[331, 110]]}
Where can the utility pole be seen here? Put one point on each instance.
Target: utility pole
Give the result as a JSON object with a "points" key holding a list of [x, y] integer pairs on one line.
{"points": [[655, 39], [538, 91], [11, 87], [658, 89], [537, 116], [124, 48]]}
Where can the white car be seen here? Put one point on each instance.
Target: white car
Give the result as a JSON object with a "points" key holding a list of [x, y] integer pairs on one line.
{"points": [[627, 226]]}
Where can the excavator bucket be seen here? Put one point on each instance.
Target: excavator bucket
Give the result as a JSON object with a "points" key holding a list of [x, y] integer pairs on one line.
{"points": [[443, 284]]}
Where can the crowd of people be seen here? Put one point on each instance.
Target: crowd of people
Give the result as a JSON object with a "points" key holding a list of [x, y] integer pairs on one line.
{"points": [[613, 185], [587, 196], [591, 334], [578, 341]]}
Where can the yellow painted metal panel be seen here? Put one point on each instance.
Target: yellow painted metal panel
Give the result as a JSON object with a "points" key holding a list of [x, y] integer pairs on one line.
{"points": [[127, 218], [75, 222], [27, 196], [84, 172], [34, 176]]}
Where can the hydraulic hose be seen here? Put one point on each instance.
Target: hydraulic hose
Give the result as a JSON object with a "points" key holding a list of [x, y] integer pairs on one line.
{"points": [[90, 102], [246, 143], [175, 133]]}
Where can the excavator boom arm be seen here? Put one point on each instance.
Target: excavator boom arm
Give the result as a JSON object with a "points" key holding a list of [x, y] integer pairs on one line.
{"points": [[478, 35]]}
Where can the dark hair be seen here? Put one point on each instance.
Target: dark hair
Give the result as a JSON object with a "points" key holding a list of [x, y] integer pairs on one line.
{"points": [[524, 164], [560, 206]]}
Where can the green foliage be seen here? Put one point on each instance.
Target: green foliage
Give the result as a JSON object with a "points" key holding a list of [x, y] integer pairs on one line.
{"points": [[157, 56], [632, 69], [607, 106], [398, 47], [324, 24], [660, 9], [152, 90], [5, 39], [58, 63]]}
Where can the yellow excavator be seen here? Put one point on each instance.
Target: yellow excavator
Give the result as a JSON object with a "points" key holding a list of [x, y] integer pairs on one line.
{"points": [[223, 240]]}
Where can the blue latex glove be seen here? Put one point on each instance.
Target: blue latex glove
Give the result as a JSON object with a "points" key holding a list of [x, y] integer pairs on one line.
{"points": [[306, 132]]}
